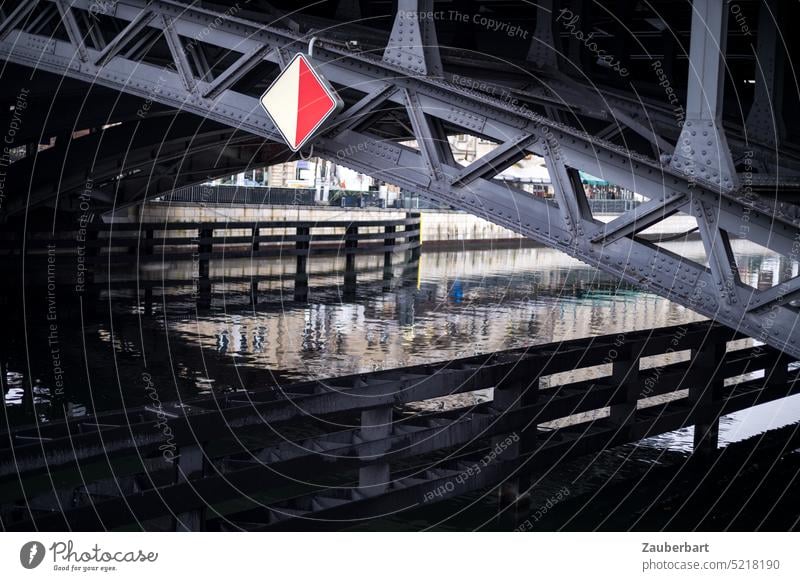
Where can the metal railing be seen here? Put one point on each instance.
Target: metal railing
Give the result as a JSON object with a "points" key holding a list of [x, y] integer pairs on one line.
{"points": [[612, 206], [222, 194]]}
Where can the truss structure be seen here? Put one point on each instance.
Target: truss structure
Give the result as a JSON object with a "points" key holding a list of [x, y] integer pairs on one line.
{"points": [[406, 83]]}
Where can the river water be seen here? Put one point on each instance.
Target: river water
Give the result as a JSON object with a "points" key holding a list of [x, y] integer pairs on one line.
{"points": [[95, 353], [448, 304]]}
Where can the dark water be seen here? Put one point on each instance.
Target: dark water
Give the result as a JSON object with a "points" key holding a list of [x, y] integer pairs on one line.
{"points": [[91, 352]]}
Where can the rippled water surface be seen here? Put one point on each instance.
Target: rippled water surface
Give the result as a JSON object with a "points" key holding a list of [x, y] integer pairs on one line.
{"points": [[446, 305]]}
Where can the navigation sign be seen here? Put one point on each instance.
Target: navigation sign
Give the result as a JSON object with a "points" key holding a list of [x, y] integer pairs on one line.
{"points": [[299, 101]]}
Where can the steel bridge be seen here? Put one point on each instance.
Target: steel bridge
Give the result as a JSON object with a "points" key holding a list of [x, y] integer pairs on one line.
{"points": [[695, 112]]}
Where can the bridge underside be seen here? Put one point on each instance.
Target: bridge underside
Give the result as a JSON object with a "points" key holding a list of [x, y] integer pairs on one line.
{"points": [[692, 105]]}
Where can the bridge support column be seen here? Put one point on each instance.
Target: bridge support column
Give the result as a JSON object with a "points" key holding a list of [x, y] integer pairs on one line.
{"points": [[190, 463], [376, 424]]}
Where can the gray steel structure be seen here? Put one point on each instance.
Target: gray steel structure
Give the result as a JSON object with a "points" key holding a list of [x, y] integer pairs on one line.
{"points": [[406, 91]]}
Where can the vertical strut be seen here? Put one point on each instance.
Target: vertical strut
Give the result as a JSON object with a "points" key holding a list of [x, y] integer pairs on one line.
{"points": [[702, 151]]}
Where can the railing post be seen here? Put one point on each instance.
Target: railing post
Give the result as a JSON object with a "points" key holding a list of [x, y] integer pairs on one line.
{"points": [[625, 377], [190, 463], [510, 395], [302, 246], [376, 424], [704, 394]]}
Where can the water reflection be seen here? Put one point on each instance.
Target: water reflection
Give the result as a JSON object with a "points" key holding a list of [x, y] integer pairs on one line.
{"points": [[448, 304]]}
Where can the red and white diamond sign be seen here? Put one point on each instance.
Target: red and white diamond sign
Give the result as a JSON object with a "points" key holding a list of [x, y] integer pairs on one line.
{"points": [[299, 101]]}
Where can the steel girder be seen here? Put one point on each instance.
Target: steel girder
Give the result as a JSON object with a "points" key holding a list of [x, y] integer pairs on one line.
{"points": [[714, 290], [134, 160]]}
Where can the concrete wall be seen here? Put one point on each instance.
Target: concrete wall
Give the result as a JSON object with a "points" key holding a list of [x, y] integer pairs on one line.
{"points": [[437, 225], [194, 213], [446, 226]]}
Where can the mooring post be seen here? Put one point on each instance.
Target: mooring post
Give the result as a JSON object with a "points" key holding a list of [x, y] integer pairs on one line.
{"points": [[376, 424], [350, 245], [388, 244], [189, 464], [302, 246], [256, 234], [415, 238]]}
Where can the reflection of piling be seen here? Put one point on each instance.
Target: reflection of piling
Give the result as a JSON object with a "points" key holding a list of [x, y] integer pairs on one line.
{"points": [[302, 245], [254, 292], [204, 249], [256, 244], [388, 244], [350, 246], [148, 301]]}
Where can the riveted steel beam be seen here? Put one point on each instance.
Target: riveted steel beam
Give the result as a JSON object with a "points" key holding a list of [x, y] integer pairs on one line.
{"points": [[134, 27], [16, 18], [640, 218], [71, 26], [431, 104], [413, 45], [494, 162], [702, 151], [765, 119]]}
